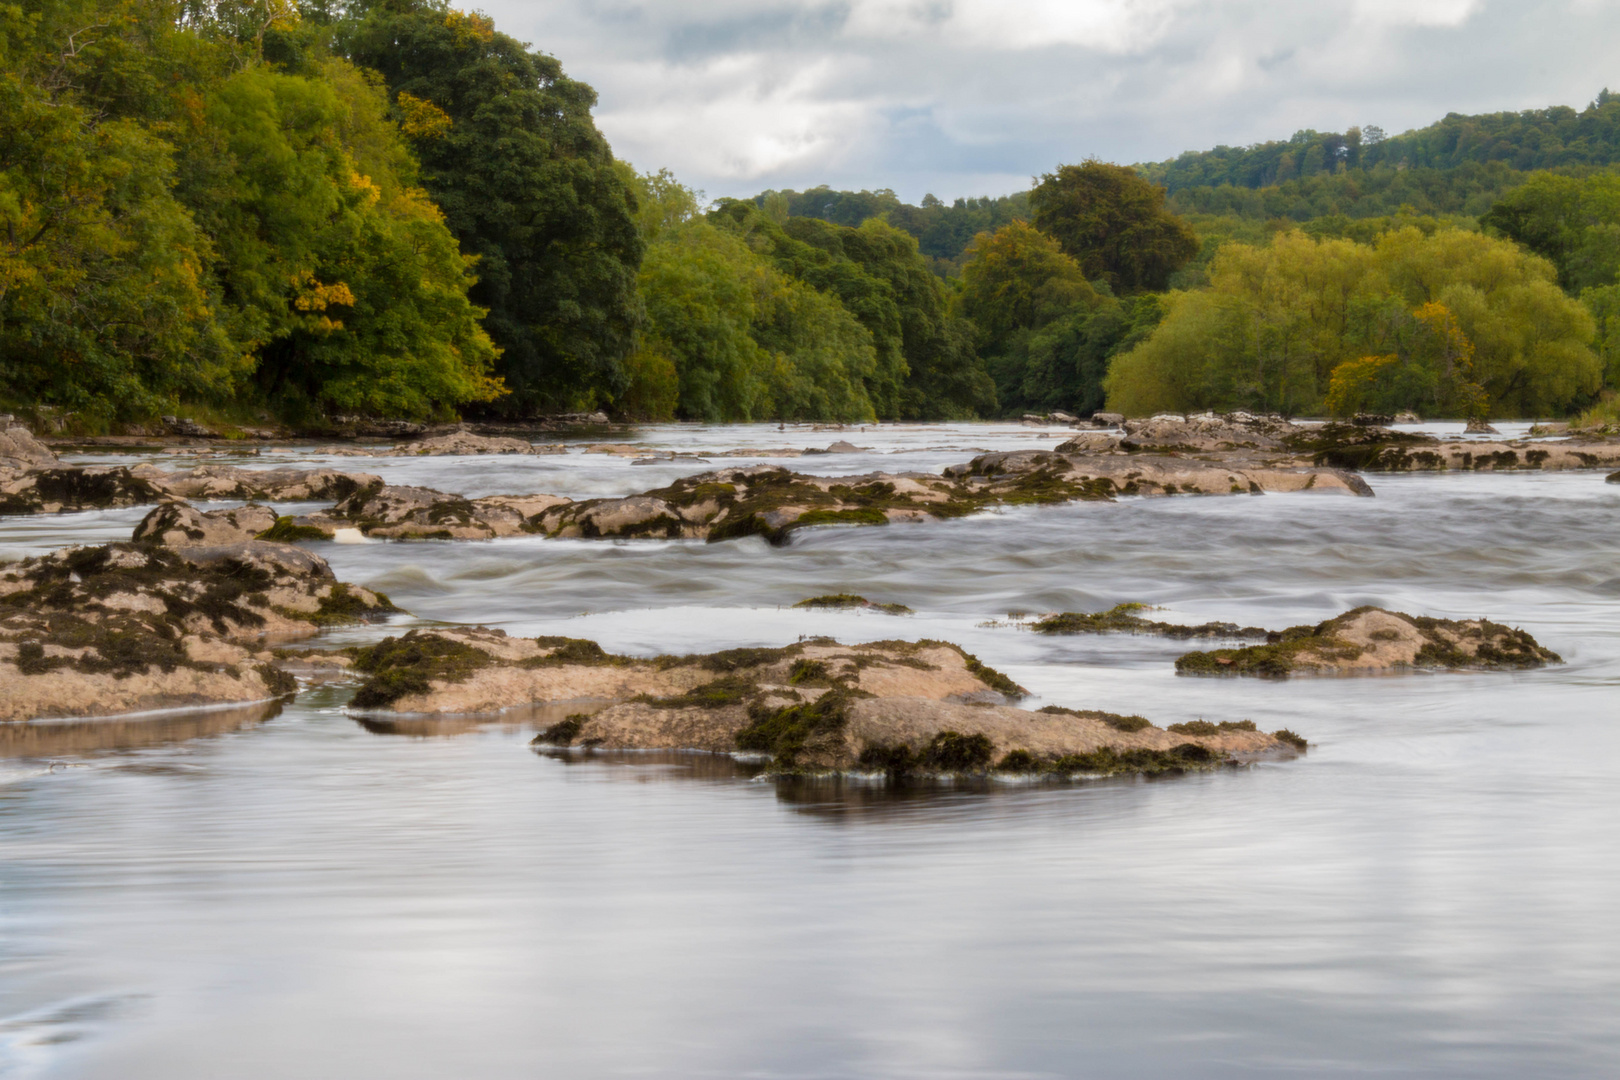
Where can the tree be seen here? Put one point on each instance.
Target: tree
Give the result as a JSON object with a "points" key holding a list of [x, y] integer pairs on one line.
{"points": [[104, 303], [528, 186], [925, 364], [1574, 223], [1114, 224], [1277, 325]]}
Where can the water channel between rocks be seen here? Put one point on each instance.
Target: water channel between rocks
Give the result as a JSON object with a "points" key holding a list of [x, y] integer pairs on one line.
{"points": [[1434, 890]]}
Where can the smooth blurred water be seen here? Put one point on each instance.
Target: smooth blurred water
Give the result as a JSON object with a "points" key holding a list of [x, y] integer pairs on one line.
{"points": [[1434, 890]]}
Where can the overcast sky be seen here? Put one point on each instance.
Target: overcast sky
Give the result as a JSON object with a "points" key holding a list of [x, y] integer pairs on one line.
{"points": [[972, 97]]}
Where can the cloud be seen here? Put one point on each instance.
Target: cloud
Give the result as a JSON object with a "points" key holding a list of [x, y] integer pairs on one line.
{"points": [[963, 97]]}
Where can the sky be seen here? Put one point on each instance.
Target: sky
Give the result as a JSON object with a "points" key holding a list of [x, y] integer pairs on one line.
{"points": [[975, 97]]}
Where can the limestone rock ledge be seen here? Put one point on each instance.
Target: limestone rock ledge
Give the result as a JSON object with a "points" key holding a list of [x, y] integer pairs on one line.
{"points": [[890, 706], [98, 631]]}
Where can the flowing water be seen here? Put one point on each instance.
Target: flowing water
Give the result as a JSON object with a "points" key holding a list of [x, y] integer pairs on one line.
{"points": [[1434, 890]]}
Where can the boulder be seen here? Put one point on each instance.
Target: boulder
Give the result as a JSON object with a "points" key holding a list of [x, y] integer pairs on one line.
{"points": [[20, 450], [64, 489], [121, 628], [1369, 639], [179, 524], [465, 442], [1477, 426], [267, 485]]}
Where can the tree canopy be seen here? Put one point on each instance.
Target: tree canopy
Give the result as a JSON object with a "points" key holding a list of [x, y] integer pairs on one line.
{"points": [[527, 185], [1114, 224], [1276, 323]]}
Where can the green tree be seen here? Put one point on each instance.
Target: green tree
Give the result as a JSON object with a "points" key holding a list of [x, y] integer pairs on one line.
{"points": [[1574, 223], [925, 365], [1276, 323], [528, 186], [104, 306], [1114, 224]]}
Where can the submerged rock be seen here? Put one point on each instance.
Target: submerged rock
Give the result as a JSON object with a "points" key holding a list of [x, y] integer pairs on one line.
{"points": [[1123, 618], [849, 601], [889, 706], [121, 628], [1370, 639]]}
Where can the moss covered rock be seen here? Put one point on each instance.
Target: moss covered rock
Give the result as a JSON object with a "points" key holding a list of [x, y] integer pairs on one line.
{"points": [[1370, 639]]}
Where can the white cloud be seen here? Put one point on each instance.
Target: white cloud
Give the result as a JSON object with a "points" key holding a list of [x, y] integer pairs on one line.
{"points": [[974, 96]]}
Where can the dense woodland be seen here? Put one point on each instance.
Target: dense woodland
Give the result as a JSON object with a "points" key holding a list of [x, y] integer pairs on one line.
{"points": [[260, 209]]}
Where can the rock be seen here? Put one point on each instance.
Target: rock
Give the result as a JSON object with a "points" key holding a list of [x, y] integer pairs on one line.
{"points": [[402, 512], [66, 488], [1362, 419], [121, 628], [366, 427], [1063, 417], [187, 428], [1408, 418], [179, 524], [464, 442], [843, 447], [1123, 618], [1209, 432], [1477, 426], [1370, 639], [1613, 478], [267, 485], [1383, 450], [1136, 474], [1108, 419], [816, 706], [20, 450], [849, 601]]}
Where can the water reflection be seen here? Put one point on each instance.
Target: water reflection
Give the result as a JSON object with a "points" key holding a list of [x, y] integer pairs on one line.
{"points": [[62, 738]]}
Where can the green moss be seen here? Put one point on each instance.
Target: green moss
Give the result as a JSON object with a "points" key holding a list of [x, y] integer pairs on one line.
{"points": [[809, 673], [1126, 724], [722, 692], [1019, 761], [850, 600], [286, 530], [574, 651], [992, 678], [1123, 618], [735, 659], [1274, 660], [946, 752], [343, 605], [788, 732], [1204, 727], [1111, 761], [400, 667], [858, 515], [564, 732]]}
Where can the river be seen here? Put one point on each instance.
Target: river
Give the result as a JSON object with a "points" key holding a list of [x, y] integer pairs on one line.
{"points": [[1433, 890]]}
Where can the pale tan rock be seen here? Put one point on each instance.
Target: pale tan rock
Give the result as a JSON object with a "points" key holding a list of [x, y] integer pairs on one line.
{"points": [[179, 524]]}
